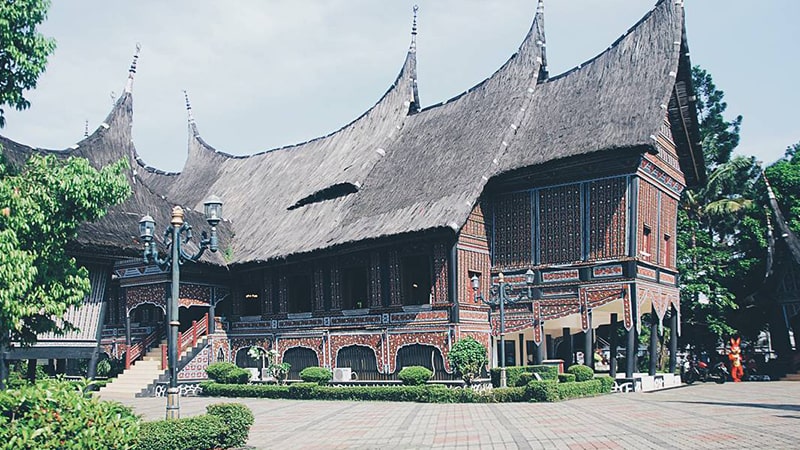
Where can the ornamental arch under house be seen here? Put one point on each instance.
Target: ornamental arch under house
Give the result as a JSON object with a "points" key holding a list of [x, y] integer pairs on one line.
{"points": [[371, 234]]}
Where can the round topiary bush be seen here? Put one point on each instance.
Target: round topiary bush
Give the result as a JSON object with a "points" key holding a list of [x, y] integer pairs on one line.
{"points": [[227, 373], [581, 372], [468, 357], [414, 375], [314, 374]]}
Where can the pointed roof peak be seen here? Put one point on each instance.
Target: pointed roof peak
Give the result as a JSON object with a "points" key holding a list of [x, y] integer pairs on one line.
{"points": [[132, 69], [189, 115], [413, 47]]}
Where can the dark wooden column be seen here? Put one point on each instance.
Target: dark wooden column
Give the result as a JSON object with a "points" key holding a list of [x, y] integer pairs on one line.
{"points": [[588, 341], [549, 347], [630, 351], [127, 329], [569, 354], [653, 342], [612, 346], [673, 339]]}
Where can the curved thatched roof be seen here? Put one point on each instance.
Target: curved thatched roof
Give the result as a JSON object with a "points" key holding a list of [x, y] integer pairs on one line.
{"points": [[116, 234], [397, 169]]}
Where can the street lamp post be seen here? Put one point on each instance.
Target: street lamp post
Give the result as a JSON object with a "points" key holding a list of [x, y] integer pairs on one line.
{"points": [[500, 297], [177, 230]]}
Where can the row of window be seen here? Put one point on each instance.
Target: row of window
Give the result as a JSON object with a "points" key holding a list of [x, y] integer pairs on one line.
{"points": [[416, 281]]}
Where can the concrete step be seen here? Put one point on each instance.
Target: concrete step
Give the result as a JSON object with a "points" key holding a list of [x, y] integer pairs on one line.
{"points": [[791, 377]]}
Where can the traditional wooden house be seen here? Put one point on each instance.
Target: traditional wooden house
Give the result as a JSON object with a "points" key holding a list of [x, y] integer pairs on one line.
{"points": [[357, 249]]}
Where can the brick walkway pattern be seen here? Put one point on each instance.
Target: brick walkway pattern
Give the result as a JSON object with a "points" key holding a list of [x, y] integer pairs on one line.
{"points": [[740, 415]]}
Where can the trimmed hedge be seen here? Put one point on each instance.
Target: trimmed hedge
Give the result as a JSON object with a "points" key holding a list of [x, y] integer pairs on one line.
{"points": [[581, 372], [541, 391], [227, 373], [225, 425], [547, 391], [566, 378], [201, 432], [237, 417], [213, 389], [315, 374], [513, 374], [414, 375]]}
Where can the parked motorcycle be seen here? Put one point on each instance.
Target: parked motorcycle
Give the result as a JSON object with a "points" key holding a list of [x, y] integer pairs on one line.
{"points": [[694, 370]]}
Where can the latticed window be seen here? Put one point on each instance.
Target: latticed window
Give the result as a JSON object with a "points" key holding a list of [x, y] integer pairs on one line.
{"points": [[355, 287], [301, 293], [416, 273]]}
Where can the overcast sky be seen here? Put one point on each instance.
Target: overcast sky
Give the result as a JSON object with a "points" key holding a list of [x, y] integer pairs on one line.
{"points": [[263, 74]]}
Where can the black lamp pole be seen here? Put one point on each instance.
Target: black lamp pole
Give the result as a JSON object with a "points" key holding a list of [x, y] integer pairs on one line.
{"points": [[176, 257], [501, 299]]}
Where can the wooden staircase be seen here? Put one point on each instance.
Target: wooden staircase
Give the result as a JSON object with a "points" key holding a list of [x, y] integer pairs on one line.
{"points": [[141, 375], [137, 377]]}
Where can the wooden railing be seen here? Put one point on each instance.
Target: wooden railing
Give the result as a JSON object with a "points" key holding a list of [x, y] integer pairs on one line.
{"points": [[137, 350], [188, 338]]}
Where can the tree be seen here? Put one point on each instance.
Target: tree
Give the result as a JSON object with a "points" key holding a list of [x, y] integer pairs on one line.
{"points": [[42, 207], [23, 50], [468, 357], [719, 230]]}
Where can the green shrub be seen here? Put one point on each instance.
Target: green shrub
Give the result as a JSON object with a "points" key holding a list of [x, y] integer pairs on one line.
{"points": [[218, 370], [566, 378], [302, 391], [237, 417], [606, 383], [581, 372], [227, 373], [468, 357], [414, 375], [508, 395], [201, 432], [55, 414], [103, 368], [545, 371], [513, 374], [578, 389], [225, 425], [212, 389], [542, 391], [313, 374]]}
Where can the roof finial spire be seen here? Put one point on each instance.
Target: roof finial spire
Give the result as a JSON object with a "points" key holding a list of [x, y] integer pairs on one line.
{"points": [[414, 30], [132, 70], [188, 107], [86, 129]]}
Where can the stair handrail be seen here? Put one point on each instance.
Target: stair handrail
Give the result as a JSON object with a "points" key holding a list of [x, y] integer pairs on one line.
{"points": [[190, 336], [134, 352]]}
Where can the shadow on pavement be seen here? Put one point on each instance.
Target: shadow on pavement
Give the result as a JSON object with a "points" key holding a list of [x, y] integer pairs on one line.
{"points": [[746, 405]]}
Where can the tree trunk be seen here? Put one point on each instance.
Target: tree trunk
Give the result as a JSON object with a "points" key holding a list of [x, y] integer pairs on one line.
{"points": [[31, 371]]}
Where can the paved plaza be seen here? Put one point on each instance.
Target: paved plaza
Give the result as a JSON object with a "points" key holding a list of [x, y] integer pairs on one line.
{"points": [[742, 415]]}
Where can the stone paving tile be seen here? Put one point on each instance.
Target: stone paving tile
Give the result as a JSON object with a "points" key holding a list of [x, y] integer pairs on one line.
{"points": [[704, 416]]}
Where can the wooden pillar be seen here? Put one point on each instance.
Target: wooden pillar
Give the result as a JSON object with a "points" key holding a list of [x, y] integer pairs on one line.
{"points": [[630, 352], [549, 347], [653, 342], [673, 339], [523, 357], [569, 354], [588, 341], [612, 344], [538, 355], [127, 330]]}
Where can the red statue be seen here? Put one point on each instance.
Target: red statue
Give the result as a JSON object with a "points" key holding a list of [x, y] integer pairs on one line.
{"points": [[735, 356]]}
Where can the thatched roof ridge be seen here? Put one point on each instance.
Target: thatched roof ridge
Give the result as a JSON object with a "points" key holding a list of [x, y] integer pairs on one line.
{"points": [[116, 234], [616, 100]]}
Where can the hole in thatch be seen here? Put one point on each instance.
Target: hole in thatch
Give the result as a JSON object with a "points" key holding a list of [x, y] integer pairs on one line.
{"points": [[329, 193]]}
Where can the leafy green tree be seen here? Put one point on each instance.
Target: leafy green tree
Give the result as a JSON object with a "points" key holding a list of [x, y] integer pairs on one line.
{"points": [[468, 357], [719, 230], [23, 50], [42, 207]]}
